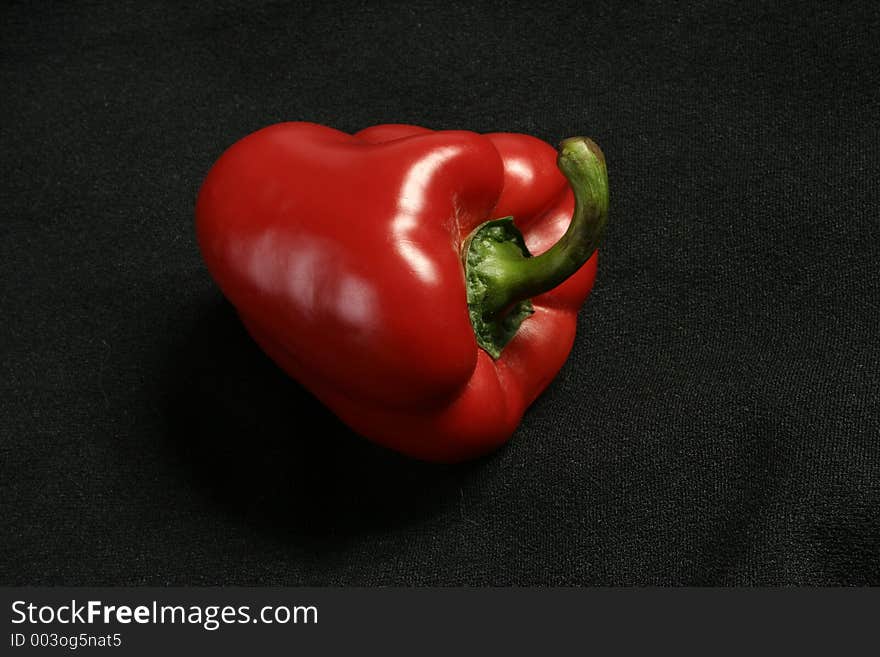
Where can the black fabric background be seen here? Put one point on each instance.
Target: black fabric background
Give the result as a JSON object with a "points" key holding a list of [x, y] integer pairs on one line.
{"points": [[716, 423]]}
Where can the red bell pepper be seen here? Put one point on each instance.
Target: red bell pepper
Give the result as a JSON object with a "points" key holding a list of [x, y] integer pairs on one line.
{"points": [[384, 271]]}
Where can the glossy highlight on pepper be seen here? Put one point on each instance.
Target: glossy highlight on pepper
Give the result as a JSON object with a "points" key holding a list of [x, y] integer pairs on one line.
{"points": [[424, 285]]}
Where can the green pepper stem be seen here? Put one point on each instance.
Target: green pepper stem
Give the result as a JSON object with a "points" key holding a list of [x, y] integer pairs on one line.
{"points": [[583, 164], [501, 274]]}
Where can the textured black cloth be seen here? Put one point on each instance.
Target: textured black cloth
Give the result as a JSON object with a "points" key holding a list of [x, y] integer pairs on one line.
{"points": [[716, 423]]}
